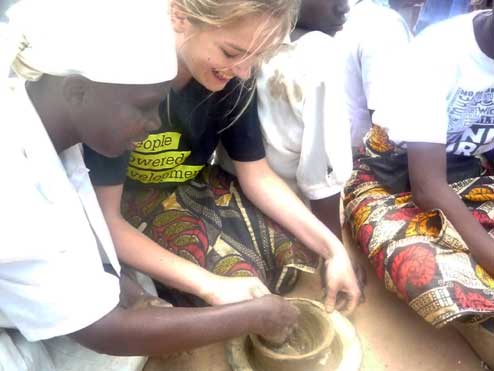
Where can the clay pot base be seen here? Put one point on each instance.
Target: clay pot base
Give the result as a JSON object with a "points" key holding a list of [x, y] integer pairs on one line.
{"points": [[307, 347], [345, 353]]}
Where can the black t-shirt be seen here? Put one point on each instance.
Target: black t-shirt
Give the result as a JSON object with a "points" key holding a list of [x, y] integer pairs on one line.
{"points": [[193, 121]]}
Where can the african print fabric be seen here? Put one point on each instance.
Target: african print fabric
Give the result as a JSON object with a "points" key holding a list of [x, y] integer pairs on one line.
{"points": [[418, 254], [211, 223]]}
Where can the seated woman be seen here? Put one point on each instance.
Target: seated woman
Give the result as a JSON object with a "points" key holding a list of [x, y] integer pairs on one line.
{"points": [[301, 107], [420, 202], [205, 232], [304, 123]]}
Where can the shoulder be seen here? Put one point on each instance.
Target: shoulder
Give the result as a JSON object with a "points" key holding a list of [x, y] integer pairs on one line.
{"points": [[370, 19], [318, 53], [304, 60], [366, 13], [312, 41], [437, 50], [304, 51], [451, 34], [389, 21]]}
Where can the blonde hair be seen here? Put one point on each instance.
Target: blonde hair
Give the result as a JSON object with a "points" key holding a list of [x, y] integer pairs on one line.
{"points": [[217, 13], [223, 12]]}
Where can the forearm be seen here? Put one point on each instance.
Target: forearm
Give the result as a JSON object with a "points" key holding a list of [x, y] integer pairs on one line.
{"points": [[157, 330], [276, 200], [140, 252], [442, 197], [427, 167]]}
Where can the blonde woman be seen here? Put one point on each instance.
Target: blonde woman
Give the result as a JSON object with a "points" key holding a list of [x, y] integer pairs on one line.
{"points": [[206, 233]]}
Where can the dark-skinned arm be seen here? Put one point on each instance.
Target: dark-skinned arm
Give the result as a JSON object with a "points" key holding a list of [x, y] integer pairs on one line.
{"points": [[140, 252], [156, 330], [430, 190], [327, 210]]}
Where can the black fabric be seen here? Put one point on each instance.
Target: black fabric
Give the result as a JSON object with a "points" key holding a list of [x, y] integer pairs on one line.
{"points": [[199, 117], [105, 170], [391, 170]]}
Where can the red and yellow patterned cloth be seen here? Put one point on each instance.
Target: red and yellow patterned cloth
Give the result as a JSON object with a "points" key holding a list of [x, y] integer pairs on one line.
{"points": [[418, 254], [211, 223]]}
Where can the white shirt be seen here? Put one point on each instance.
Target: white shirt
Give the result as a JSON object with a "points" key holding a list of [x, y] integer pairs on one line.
{"points": [[371, 36], [447, 94], [54, 241], [303, 117]]}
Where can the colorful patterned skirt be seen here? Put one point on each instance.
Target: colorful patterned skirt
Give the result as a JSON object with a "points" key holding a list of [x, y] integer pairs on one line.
{"points": [[209, 222], [418, 254]]}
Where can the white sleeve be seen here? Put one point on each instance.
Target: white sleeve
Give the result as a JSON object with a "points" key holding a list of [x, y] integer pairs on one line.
{"points": [[326, 156], [376, 51], [52, 280], [415, 108]]}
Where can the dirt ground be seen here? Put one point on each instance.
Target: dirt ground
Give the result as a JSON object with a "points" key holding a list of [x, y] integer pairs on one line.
{"points": [[393, 337]]}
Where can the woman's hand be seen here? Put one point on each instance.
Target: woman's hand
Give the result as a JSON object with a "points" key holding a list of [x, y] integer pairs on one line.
{"points": [[228, 290], [430, 190], [343, 291]]}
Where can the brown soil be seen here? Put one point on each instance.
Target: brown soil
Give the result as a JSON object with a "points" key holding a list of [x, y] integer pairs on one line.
{"points": [[393, 337]]}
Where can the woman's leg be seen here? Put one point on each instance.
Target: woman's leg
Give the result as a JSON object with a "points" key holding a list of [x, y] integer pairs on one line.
{"points": [[210, 222], [418, 254]]}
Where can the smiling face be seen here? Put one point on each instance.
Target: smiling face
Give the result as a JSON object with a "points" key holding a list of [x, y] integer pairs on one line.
{"points": [[213, 55], [113, 118], [327, 16]]}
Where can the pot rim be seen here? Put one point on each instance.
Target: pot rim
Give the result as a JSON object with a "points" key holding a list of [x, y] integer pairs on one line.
{"points": [[319, 351]]}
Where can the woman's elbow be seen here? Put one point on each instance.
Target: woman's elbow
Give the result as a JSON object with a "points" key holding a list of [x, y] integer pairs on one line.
{"points": [[250, 183], [425, 197]]}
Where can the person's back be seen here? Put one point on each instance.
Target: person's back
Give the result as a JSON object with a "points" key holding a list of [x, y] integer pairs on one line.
{"points": [[371, 36]]}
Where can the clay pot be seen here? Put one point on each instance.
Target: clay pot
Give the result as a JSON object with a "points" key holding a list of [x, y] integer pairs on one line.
{"points": [[307, 348]]}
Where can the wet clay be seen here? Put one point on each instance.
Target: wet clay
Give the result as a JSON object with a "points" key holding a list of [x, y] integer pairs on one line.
{"points": [[306, 347], [344, 353], [299, 342]]}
